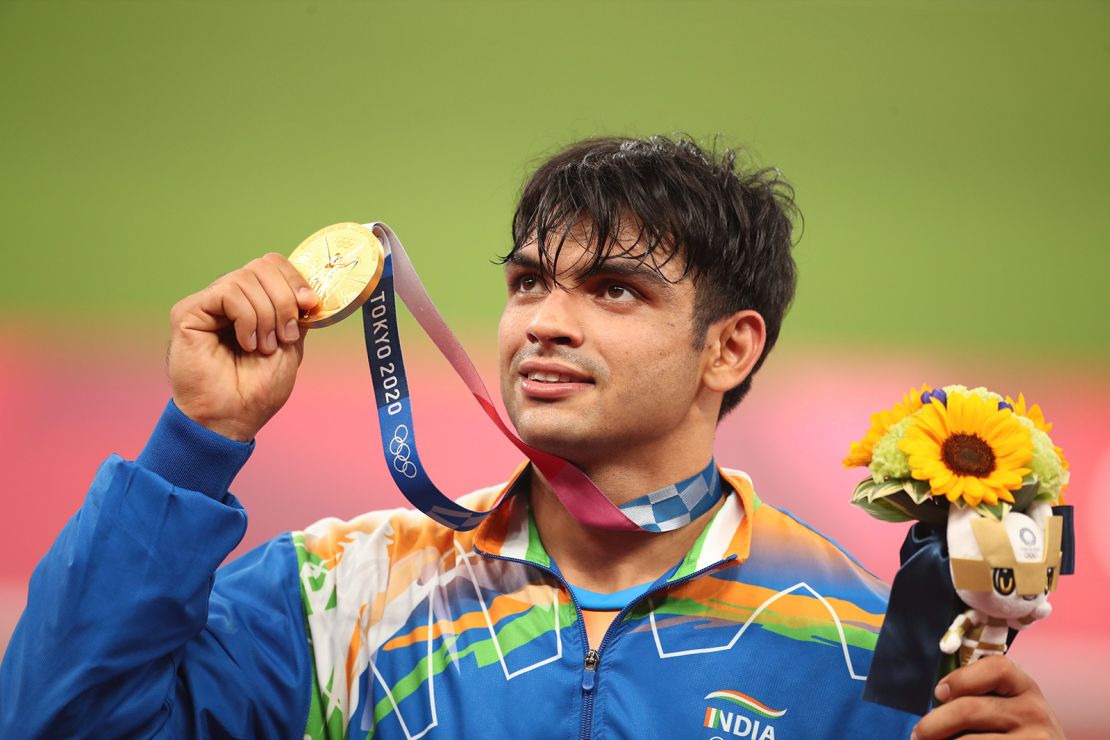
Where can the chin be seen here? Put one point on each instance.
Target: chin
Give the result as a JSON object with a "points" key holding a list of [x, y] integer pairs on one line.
{"points": [[554, 438]]}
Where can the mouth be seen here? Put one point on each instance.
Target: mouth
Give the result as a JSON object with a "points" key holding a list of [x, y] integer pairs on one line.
{"points": [[549, 381], [541, 377]]}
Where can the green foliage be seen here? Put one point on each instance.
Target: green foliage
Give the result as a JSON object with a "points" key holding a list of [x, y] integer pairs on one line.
{"points": [[904, 500]]}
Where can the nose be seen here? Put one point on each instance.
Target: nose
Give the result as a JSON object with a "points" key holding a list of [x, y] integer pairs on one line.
{"points": [[555, 320]]}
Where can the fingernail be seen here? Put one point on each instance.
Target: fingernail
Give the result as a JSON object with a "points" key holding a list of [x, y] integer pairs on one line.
{"points": [[306, 295], [914, 735], [291, 332], [943, 692], [271, 341], [252, 341]]}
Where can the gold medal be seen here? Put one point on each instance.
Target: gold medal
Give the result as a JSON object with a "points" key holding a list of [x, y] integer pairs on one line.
{"points": [[342, 263]]}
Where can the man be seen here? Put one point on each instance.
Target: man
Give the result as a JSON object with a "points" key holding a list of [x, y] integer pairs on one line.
{"points": [[646, 284]]}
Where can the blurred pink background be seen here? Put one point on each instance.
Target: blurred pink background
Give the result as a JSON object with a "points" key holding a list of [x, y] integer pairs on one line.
{"points": [[319, 458]]}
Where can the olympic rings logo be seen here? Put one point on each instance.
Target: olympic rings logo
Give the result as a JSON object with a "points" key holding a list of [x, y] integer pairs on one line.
{"points": [[398, 447]]}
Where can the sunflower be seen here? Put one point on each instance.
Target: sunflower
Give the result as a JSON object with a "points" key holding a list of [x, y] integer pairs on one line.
{"points": [[859, 453], [968, 449]]}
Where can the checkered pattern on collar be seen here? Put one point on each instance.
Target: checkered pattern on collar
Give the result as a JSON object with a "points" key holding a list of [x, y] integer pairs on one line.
{"points": [[676, 505]]}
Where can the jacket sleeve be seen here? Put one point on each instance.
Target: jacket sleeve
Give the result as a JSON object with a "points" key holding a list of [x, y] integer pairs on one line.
{"points": [[129, 629]]}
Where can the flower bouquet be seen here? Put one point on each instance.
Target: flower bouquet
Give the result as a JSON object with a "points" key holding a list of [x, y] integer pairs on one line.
{"points": [[980, 475]]}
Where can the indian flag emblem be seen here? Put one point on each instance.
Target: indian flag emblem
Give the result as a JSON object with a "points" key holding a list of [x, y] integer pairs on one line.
{"points": [[713, 716]]}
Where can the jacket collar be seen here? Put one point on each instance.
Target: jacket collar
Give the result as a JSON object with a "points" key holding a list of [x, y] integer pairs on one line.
{"points": [[510, 532]]}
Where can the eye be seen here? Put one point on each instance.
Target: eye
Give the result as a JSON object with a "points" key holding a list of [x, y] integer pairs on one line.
{"points": [[1048, 583], [528, 282], [1004, 581], [618, 292]]}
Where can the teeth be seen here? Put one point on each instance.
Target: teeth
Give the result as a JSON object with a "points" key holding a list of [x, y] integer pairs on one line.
{"points": [[549, 377]]}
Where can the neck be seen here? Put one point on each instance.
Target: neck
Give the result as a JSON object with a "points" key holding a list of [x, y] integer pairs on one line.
{"points": [[646, 465], [603, 560]]}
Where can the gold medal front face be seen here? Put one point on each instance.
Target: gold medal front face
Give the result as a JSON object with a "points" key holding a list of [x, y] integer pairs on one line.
{"points": [[343, 263]]}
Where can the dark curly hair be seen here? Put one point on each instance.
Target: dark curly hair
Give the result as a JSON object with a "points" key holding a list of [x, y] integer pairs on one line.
{"points": [[731, 228]]}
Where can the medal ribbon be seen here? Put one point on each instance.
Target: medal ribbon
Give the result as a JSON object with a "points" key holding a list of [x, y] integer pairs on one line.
{"points": [[661, 511]]}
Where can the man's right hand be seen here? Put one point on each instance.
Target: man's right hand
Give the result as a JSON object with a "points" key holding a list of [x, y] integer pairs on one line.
{"points": [[235, 346]]}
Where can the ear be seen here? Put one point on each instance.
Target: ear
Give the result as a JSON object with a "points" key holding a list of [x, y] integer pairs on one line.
{"points": [[961, 538], [1040, 511], [733, 345]]}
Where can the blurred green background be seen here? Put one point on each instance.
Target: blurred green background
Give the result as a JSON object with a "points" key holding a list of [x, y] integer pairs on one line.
{"points": [[950, 158]]}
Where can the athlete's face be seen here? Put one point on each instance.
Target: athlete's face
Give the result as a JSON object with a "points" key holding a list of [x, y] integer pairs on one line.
{"points": [[603, 363]]}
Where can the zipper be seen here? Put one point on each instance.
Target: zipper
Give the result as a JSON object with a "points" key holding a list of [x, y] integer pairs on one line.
{"points": [[591, 661], [589, 679], [589, 666]]}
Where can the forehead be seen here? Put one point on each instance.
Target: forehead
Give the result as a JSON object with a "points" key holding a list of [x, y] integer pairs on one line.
{"points": [[576, 253]]}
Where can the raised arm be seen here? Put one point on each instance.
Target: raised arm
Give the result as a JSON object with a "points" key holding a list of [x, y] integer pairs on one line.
{"points": [[128, 629]]}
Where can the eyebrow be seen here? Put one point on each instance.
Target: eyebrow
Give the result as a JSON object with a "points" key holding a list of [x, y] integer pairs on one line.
{"points": [[626, 267]]}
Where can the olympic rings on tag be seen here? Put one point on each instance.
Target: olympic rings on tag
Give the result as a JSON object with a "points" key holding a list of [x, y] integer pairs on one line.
{"points": [[401, 451]]}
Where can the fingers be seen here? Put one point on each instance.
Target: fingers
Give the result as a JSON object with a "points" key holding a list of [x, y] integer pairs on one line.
{"points": [[218, 307], [265, 310], [213, 309], [275, 304], [306, 298], [262, 300], [966, 714], [996, 674], [990, 695], [1026, 715]]}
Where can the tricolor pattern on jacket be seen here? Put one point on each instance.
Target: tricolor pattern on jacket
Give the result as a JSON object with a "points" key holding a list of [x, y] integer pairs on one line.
{"points": [[420, 631]]}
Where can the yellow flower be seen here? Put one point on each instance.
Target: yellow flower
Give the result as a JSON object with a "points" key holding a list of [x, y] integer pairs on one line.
{"points": [[1035, 415], [968, 449], [859, 454]]}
